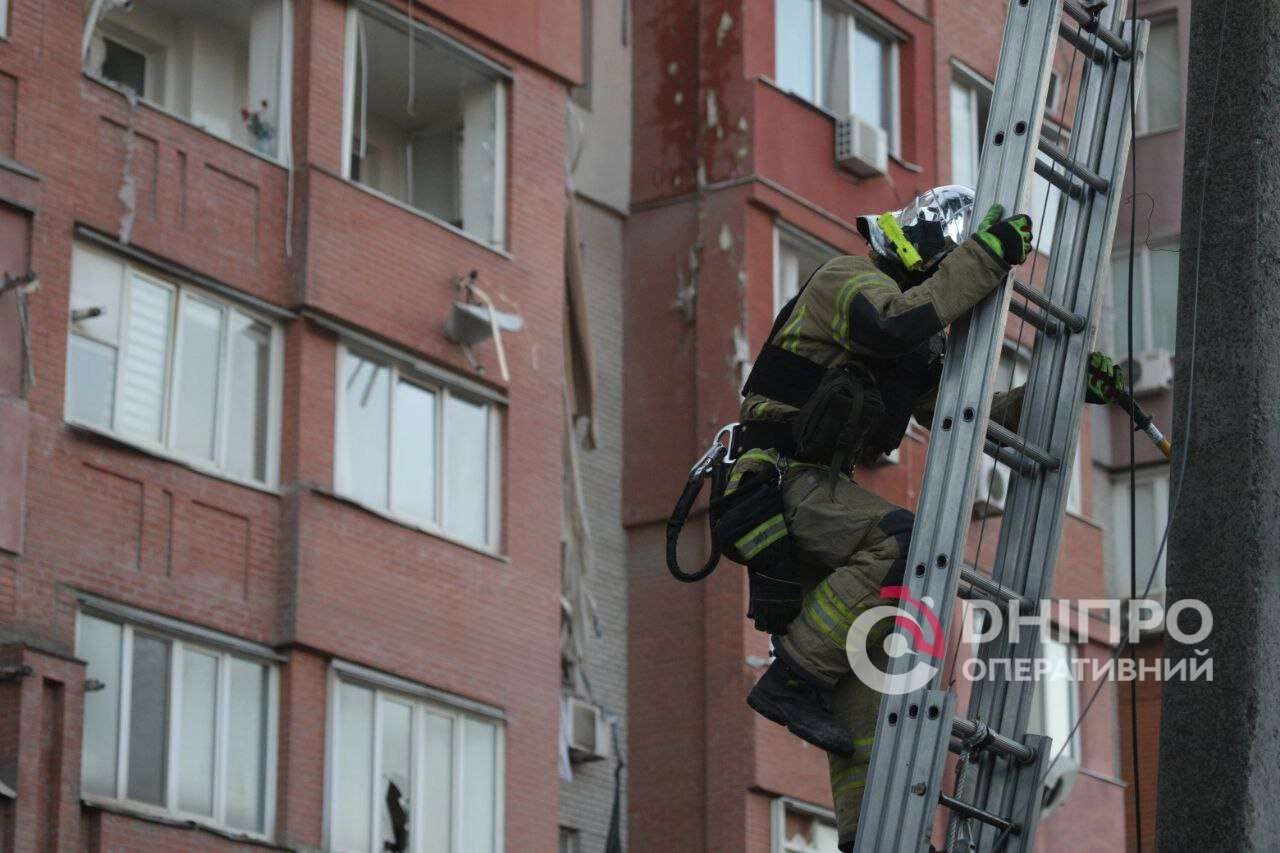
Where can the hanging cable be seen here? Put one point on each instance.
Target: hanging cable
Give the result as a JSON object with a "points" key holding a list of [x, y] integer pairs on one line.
{"points": [[1184, 440], [1135, 750]]}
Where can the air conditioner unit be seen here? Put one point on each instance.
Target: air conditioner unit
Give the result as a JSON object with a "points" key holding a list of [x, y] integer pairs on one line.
{"points": [[993, 487], [1150, 372], [1059, 781], [861, 147], [590, 737]]}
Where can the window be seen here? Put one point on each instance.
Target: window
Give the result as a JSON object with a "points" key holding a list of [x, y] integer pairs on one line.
{"points": [[801, 828], [222, 66], [842, 60], [177, 726], [1160, 96], [171, 368], [1152, 507], [421, 451], [427, 123], [410, 774], [797, 257], [4, 18], [1155, 298], [569, 840], [970, 107], [1055, 701]]}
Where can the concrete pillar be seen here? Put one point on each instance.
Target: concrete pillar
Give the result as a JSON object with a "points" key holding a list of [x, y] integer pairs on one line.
{"points": [[1220, 740]]}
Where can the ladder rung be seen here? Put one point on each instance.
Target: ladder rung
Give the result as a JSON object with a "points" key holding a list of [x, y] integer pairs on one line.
{"points": [[992, 589], [995, 742], [1090, 24], [1090, 177], [1010, 439], [1075, 323], [1059, 180], [1082, 44], [1038, 319], [965, 810], [1007, 456]]}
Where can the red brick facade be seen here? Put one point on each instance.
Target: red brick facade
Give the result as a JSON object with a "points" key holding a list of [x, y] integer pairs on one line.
{"points": [[295, 568]]}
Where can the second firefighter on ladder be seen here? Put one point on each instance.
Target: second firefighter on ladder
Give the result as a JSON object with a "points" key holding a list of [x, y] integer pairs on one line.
{"points": [[850, 360]]}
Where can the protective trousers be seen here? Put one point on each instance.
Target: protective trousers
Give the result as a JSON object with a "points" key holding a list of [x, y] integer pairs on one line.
{"points": [[851, 542]]}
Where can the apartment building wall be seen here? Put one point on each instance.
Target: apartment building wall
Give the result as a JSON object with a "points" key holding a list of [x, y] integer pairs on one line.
{"points": [[293, 574], [730, 165], [599, 143]]}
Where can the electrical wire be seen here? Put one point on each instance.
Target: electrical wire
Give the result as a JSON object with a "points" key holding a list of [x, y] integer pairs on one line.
{"points": [[1135, 750], [1184, 439]]}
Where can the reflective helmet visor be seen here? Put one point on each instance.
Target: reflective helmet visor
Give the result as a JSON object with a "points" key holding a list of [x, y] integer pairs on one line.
{"points": [[923, 232]]}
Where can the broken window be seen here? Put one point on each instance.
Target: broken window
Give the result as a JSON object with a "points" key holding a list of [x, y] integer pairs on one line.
{"points": [[157, 711], [427, 122], [800, 828], [222, 66], [420, 451], [412, 775], [171, 368]]}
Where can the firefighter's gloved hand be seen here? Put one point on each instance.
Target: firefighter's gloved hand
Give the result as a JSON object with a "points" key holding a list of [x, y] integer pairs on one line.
{"points": [[775, 601], [1007, 240], [1103, 379]]}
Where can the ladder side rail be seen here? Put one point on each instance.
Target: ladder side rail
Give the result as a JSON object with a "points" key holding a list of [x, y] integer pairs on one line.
{"points": [[905, 776]]}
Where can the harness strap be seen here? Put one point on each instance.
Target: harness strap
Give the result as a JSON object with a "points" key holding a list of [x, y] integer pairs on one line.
{"points": [[784, 376]]}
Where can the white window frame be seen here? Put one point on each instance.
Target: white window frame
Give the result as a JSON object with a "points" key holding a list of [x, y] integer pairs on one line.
{"points": [[205, 641], [1073, 751], [1117, 294], [1142, 128], [284, 97], [421, 699], [784, 233], [1158, 478], [4, 19], [443, 390], [857, 18], [165, 448], [502, 81], [778, 821], [1045, 233]]}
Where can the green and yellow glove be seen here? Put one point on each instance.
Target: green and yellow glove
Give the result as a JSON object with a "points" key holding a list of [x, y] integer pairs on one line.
{"points": [[1008, 240], [1103, 379]]}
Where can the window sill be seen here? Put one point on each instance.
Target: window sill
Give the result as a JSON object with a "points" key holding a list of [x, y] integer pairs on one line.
{"points": [[1147, 134], [165, 111], [411, 524], [11, 165], [96, 432], [177, 820], [422, 214]]}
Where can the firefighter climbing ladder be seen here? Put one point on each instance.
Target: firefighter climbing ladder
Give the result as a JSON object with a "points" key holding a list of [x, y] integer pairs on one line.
{"points": [[1000, 801]]}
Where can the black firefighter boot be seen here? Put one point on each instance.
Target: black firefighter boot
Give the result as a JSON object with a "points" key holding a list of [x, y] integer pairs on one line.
{"points": [[804, 708]]}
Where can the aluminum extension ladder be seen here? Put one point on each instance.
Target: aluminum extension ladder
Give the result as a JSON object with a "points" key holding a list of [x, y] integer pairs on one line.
{"points": [[916, 730]]}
